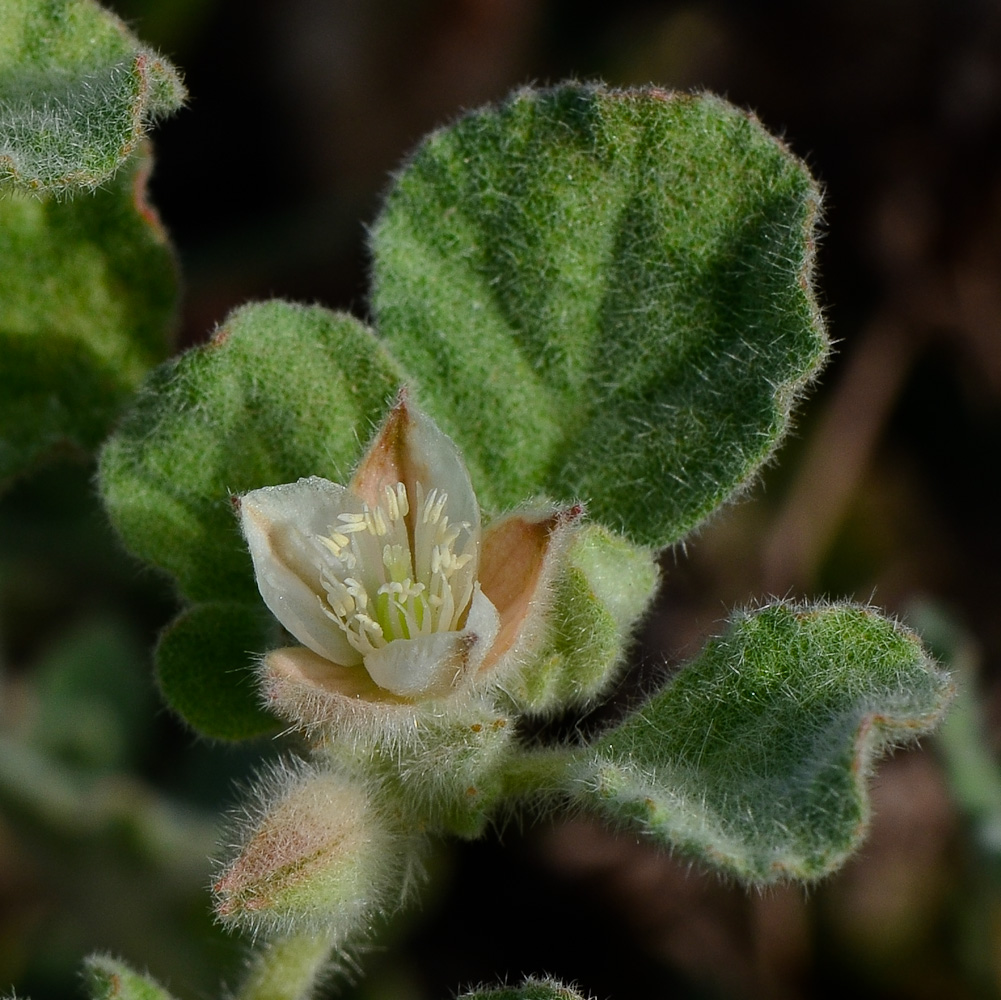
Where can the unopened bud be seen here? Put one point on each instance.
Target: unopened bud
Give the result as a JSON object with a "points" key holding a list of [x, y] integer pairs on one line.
{"points": [[319, 856]]}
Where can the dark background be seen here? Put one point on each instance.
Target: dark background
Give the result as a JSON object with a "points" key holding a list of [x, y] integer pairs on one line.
{"points": [[299, 113]]}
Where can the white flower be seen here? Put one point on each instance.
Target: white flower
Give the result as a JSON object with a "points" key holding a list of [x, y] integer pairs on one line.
{"points": [[389, 583]]}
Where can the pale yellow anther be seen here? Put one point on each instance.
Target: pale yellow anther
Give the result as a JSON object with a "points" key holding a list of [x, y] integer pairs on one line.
{"points": [[392, 505], [334, 545], [368, 623], [353, 523], [402, 501], [358, 593]]}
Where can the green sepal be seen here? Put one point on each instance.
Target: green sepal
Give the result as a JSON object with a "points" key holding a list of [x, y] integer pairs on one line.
{"points": [[109, 978], [447, 773], [77, 93], [604, 294], [603, 587], [755, 757], [531, 989], [282, 391], [206, 671], [87, 297]]}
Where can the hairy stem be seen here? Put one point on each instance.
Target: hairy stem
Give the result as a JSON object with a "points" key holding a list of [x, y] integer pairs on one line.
{"points": [[544, 771], [287, 968]]}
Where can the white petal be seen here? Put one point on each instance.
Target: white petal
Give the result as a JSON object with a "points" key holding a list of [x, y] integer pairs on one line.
{"points": [[483, 621], [279, 523], [423, 667], [410, 448], [433, 664], [438, 463]]}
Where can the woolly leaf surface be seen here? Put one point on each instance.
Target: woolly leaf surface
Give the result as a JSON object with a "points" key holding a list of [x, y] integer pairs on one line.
{"points": [[604, 295], [77, 93], [87, 295], [754, 759]]}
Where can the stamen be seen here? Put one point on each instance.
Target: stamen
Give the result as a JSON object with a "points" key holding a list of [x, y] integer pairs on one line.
{"points": [[352, 523], [410, 593], [436, 506], [402, 501]]}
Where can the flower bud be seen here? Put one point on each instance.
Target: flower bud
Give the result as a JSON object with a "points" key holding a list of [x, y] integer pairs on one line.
{"points": [[318, 855]]}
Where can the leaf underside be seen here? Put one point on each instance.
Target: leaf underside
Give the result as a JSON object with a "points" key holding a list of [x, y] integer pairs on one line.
{"points": [[77, 92], [206, 671]]}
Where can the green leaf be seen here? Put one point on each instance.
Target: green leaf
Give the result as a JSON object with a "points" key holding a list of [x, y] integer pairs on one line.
{"points": [[754, 759], [205, 666], [77, 93], [605, 294], [108, 978], [281, 391], [87, 295], [531, 989]]}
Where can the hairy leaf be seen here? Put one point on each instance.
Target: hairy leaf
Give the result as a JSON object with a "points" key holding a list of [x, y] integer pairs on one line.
{"points": [[754, 759], [87, 297], [605, 295], [77, 93]]}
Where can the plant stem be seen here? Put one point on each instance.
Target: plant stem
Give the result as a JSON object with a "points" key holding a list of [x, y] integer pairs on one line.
{"points": [[546, 771], [287, 968]]}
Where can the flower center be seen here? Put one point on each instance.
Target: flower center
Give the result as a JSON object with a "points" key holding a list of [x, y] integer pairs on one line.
{"points": [[392, 574]]}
